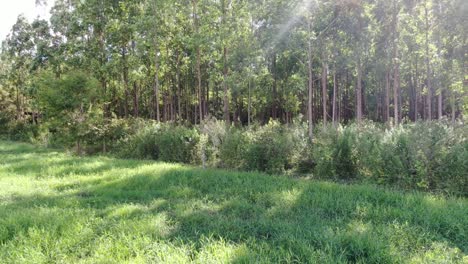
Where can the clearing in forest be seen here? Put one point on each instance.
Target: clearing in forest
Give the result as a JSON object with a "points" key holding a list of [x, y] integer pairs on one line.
{"points": [[57, 208]]}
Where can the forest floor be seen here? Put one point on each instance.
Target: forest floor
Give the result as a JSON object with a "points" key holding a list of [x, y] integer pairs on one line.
{"points": [[58, 208]]}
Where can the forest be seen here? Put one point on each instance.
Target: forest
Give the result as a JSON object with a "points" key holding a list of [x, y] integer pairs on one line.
{"points": [[235, 131], [241, 61], [346, 90], [225, 76]]}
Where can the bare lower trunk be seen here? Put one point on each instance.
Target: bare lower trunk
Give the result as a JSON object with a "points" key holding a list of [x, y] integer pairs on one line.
{"points": [[311, 90], [387, 97], [225, 88], [334, 99], [428, 69], [135, 100], [179, 96], [396, 88], [250, 105], [453, 107], [439, 104], [156, 88], [359, 93], [324, 93]]}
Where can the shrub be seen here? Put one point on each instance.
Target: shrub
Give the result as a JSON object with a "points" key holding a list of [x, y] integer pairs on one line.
{"points": [[163, 142], [270, 149], [141, 145], [233, 149], [21, 130], [344, 157], [213, 133], [430, 156], [302, 159], [176, 143]]}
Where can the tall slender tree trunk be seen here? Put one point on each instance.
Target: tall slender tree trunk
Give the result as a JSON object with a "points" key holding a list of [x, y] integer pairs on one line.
{"points": [[396, 89], [198, 64], [225, 87], [274, 108], [359, 78], [249, 117], [18, 102], [225, 69], [428, 68], [340, 101], [396, 70], [334, 98], [179, 95], [125, 78], [453, 107], [311, 84], [135, 99], [324, 92], [156, 84], [439, 105], [387, 96], [359, 92], [416, 92]]}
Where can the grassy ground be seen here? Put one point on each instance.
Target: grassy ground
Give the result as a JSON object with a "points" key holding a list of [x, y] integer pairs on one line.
{"points": [[58, 208]]}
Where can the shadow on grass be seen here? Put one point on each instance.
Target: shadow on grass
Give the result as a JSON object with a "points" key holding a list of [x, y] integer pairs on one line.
{"points": [[278, 219]]}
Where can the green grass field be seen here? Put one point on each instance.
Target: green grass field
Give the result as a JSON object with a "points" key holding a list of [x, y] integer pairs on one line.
{"points": [[56, 208]]}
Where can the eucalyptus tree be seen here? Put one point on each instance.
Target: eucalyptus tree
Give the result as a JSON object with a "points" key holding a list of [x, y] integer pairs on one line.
{"points": [[19, 51]]}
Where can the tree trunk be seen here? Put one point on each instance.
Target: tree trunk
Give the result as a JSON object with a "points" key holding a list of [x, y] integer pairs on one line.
{"points": [[324, 92], [428, 68], [156, 85], [135, 99], [274, 108], [416, 92], [359, 93], [225, 87], [250, 104], [387, 96], [334, 98], [199, 83], [439, 105], [125, 77], [179, 96], [311, 84], [396, 88]]}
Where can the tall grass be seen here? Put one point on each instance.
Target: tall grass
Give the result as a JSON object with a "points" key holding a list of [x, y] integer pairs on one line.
{"points": [[59, 208], [429, 156]]}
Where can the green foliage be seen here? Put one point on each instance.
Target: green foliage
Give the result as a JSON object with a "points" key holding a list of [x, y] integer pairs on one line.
{"points": [[74, 91], [213, 135], [20, 130], [163, 142], [270, 149], [234, 148], [7, 110], [425, 155], [176, 143], [58, 208]]}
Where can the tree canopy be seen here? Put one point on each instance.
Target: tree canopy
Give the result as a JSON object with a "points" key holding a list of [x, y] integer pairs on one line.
{"points": [[243, 60]]}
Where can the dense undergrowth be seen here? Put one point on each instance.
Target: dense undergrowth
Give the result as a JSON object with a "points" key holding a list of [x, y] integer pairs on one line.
{"points": [[430, 156], [60, 208]]}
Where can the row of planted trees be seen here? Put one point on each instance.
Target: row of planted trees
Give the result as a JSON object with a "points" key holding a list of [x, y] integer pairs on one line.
{"points": [[242, 61]]}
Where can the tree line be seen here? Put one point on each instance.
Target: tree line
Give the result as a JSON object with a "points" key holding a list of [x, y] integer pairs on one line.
{"points": [[242, 61]]}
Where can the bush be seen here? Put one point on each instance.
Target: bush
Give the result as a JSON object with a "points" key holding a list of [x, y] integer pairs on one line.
{"points": [[213, 133], [234, 149], [429, 156], [141, 145], [176, 143], [163, 142], [335, 153], [21, 130], [270, 149]]}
